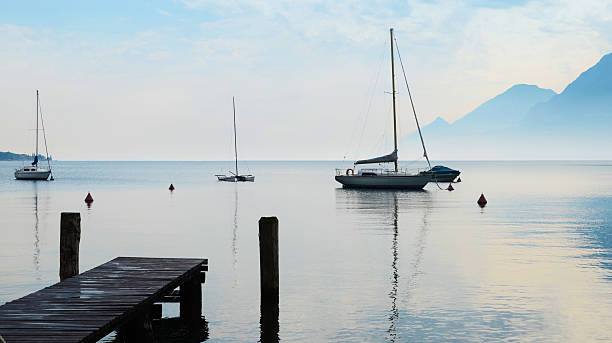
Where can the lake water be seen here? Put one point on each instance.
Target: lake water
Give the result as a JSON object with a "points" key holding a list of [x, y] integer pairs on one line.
{"points": [[534, 265]]}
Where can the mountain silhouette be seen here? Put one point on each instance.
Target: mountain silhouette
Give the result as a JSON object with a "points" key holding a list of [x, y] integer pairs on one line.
{"points": [[529, 122], [585, 103]]}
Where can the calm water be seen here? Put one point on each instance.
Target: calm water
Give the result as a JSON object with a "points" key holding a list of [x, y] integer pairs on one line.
{"points": [[535, 265]]}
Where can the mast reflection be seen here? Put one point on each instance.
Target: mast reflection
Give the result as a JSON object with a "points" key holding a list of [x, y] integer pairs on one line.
{"points": [[235, 231], [36, 253], [394, 313], [386, 204]]}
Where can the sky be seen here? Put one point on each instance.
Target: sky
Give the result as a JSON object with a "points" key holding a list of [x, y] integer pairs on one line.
{"points": [[154, 80]]}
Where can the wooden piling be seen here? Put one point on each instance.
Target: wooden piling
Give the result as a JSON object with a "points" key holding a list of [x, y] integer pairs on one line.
{"points": [[70, 236], [156, 311], [139, 329], [268, 323], [268, 259], [191, 299]]}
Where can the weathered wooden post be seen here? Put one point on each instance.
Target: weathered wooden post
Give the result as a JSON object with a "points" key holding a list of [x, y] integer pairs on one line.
{"points": [[268, 274], [268, 323], [191, 299], [268, 259], [70, 236], [139, 329]]}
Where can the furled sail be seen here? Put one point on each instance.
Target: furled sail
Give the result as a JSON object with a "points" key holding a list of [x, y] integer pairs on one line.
{"points": [[35, 160], [392, 157]]}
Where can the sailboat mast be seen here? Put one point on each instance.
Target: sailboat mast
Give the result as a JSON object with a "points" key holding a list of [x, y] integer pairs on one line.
{"points": [[36, 156], [393, 88], [235, 145]]}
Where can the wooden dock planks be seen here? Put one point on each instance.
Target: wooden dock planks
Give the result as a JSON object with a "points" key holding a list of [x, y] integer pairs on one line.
{"points": [[89, 306]]}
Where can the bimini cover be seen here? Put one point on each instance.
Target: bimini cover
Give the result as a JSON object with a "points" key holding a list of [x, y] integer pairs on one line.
{"points": [[392, 157]]}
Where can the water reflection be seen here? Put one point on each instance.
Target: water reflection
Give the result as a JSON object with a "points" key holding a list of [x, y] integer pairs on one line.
{"points": [[394, 313], [268, 323], [235, 231], [169, 330], [36, 254], [374, 205]]}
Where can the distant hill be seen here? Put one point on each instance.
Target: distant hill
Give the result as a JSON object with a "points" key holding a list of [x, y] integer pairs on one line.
{"points": [[585, 103], [529, 122], [9, 156]]}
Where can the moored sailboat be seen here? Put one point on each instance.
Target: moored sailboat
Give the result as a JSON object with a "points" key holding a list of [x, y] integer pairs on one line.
{"points": [[234, 176], [383, 178], [34, 172]]}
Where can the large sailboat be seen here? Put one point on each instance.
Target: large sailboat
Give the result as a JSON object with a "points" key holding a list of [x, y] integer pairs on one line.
{"points": [[383, 178], [33, 171], [234, 176]]}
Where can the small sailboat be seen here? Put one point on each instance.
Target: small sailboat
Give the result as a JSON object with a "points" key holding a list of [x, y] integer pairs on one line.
{"points": [[34, 172], [383, 178], [234, 176]]}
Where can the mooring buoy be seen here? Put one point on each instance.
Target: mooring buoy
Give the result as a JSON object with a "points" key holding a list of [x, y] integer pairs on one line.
{"points": [[89, 198], [171, 188], [458, 180], [450, 188], [482, 201]]}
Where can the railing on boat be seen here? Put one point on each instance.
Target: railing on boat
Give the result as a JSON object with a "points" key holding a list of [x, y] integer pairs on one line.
{"points": [[377, 171]]}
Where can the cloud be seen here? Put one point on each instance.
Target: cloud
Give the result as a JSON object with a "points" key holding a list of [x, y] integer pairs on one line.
{"points": [[164, 13], [303, 71]]}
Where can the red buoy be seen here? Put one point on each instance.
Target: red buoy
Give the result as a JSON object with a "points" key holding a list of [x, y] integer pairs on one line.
{"points": [[458, 180], [482, 201], [171, 188], [89, 198], [450, 187]]}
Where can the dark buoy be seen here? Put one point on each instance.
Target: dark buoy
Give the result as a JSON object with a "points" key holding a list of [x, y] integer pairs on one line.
{"points": [[88, 200], [450, 187], [482, 201], [458, 180], [171, 188]]}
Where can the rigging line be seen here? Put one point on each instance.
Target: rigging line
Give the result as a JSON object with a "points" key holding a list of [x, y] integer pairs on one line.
{"points": [[412, 103], [372, 91], [42, 122]]}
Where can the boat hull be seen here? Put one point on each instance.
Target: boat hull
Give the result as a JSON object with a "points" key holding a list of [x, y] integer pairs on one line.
{"points": [[413, 182], [32, 175], [449, 177], [245, 178], [239, 178], [441, 174]]}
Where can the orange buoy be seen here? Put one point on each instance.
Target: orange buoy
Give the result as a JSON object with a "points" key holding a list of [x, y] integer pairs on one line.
{"points": [[89, 198], [458, 180], [450, 187], [482, 201], [171, 188]]}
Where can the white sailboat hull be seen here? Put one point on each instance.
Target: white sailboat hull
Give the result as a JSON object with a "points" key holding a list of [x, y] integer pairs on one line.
{"points": [[413, 182], [36, 174]]}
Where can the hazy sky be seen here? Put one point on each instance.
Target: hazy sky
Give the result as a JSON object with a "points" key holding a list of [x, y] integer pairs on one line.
{"points": [[153, 80]]}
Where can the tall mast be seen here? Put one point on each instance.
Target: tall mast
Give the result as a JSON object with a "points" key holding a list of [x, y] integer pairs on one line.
{"points": [[235, 145], [36, 156], [393, 86]]}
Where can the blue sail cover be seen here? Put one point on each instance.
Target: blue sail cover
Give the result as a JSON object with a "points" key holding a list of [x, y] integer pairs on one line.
{"points": [[35, 161], [392, 157]]}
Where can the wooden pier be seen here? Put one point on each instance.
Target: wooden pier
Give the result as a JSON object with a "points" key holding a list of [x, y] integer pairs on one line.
{"points": [[118, 295]]}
